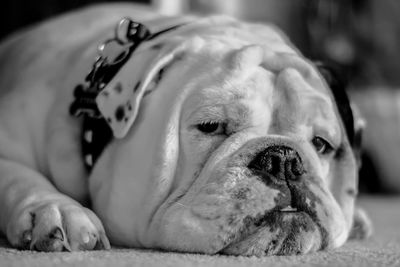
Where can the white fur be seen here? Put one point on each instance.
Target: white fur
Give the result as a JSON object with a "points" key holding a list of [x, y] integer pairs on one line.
{"points": [[165, 184]]}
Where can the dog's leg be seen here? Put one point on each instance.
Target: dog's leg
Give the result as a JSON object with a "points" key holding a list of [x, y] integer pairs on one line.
{"points": [[34, 215]]}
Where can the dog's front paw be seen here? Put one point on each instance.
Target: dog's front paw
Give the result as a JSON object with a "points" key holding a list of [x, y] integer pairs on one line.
{"points": [[56, 227]]}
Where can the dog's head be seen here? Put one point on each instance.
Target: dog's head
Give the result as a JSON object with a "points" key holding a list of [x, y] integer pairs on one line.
{"points": [[240, 148]]}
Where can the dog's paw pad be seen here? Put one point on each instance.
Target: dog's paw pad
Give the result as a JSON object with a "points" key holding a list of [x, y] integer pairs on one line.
{"points": [[26, 239]]}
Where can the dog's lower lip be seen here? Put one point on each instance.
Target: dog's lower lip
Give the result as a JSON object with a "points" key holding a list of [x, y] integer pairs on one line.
{"points": [[291, 216]]}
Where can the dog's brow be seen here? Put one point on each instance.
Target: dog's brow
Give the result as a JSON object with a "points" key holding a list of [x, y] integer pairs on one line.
{"points": [[207, 113]]}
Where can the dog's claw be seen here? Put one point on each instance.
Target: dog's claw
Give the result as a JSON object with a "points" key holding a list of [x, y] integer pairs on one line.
{"points": [[85, 237], [57, 234], [103, 243], [26, 239], [53, 242], [87, 240]]}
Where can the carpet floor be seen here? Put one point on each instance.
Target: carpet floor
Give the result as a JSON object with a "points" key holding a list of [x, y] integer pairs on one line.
{"points": [[382, 249]]}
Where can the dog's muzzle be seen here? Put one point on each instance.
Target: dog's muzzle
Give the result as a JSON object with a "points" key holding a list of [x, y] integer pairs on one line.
{"points": [[292, 225]]}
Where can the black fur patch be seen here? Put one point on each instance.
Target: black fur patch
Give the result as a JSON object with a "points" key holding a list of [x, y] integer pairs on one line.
{"points": [[351, 192], [118, 88], [337, 82], [157, 46], [241, 193], [136, 86], [120, 113]]}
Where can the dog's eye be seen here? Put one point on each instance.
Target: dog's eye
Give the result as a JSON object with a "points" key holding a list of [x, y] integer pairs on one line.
{"points": [[321, 145], [211, 128]]}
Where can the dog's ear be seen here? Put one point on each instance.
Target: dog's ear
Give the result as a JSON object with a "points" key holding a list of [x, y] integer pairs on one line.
{"points": [[120, 100], [337, 82], [352, 119]]}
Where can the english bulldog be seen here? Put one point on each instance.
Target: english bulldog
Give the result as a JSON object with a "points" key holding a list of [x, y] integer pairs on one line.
{"points": [[206, 135]]}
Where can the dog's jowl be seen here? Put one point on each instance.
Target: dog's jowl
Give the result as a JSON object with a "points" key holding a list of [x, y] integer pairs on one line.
{"points": [[207, 135]]}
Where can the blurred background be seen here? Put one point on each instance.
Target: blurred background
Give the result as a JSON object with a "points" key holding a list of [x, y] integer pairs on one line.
{"points": [[360, 37]]}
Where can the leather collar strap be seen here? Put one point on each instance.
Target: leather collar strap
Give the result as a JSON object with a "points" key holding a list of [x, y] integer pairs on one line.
{"points": [[113, 54]]}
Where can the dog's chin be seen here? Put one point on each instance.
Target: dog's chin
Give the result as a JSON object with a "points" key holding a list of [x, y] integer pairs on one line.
{"points": [[276, 233]]}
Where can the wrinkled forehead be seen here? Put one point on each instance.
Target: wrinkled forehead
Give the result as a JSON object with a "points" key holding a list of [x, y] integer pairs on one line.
{"points": [[254, 70], [228, 60], [241, 47], [255, 78]]}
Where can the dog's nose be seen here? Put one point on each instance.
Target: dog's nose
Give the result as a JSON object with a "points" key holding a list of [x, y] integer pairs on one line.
{"points": [[281, 162]]}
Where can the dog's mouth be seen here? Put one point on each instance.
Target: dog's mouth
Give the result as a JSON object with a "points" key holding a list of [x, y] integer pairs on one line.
{"points": [[282, 231], [288, 209], [292, 226], [269, 204]]}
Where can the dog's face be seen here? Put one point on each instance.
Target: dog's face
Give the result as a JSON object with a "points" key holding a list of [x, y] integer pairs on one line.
{"points": [[245, 153]]}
